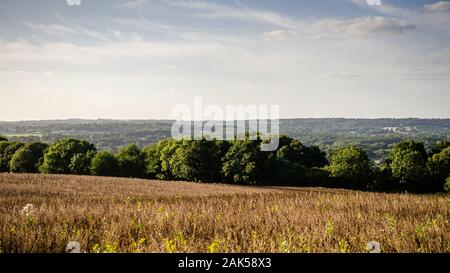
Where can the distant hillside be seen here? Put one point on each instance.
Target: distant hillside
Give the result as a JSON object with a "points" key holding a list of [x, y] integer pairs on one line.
{"points": [[374, 135]]}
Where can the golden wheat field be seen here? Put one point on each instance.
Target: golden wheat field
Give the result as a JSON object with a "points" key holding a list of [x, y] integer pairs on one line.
{"points": [[132, 215]]}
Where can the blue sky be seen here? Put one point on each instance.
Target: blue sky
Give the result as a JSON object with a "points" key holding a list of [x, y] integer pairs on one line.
{"points": [[138, 59]]}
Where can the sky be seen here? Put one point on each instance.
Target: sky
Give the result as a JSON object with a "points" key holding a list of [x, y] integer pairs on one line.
{"points": [[138, 59]]}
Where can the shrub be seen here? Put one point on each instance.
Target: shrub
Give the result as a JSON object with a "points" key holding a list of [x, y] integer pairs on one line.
{"points": [[317, 177], [439, 167], [81, 163], [383, 179], [28, 158], [7, 151], [131, 161], [104, 164], [447, 185]]}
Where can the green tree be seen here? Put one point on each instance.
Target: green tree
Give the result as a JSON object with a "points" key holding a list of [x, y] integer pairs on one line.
{"points": [[314, 157], [29, 158], [439, 167], [447, 185], [290, 161], [439, 146], [408, 161], [167, 163], [383, 179], [350, 167], [7, 151], [81, 163], [131, 161], [2, 138], [243, 162], [3, 146], [153, 158], [197, 160], [104, 164], [68, 156]]}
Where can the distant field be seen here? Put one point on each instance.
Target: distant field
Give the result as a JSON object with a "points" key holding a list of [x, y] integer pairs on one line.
{"points": [[132, 215]]}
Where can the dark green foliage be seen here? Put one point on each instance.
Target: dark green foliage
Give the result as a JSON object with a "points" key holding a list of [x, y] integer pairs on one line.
{"points": [[439, 146], [153, 159], [317, 177], [290, 162], [68, 156], [104, 164], [439, 167], [7, 151], [2, 138], [167, 152], [408, 161], [29, 158], [383, 179], [350, 167], [3, 164], [314, 157], [243, 162], [197, 160], [408, 167], [447, 185], [132, 161], [81, 163]]}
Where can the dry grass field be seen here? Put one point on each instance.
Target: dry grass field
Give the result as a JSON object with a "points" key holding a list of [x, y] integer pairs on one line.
{"points": [[132, 215]]}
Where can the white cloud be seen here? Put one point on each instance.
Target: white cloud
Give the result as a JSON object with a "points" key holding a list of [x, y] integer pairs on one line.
{"points": [[278, 34], [93, 34], [53, 30], [70, 32], [241, 12], [361, 27], [133, 3], [439, 6], [141, 64]]}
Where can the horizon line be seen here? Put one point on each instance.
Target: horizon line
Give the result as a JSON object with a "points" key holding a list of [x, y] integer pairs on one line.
{"points": [[167, 119]]}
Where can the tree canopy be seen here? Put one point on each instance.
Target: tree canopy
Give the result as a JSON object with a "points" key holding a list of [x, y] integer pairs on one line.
{"points": [[7, 150], [439, 167], [350, 167], [241, 161], [408, 161], [68, 156], [29, 158], [104, 164], [131, 161]]}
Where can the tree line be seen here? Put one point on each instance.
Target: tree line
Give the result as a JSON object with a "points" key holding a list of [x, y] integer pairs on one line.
{"points": [[409, 167]]}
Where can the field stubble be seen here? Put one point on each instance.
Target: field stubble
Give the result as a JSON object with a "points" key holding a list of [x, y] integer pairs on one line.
{"points": [[132, 215]]}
